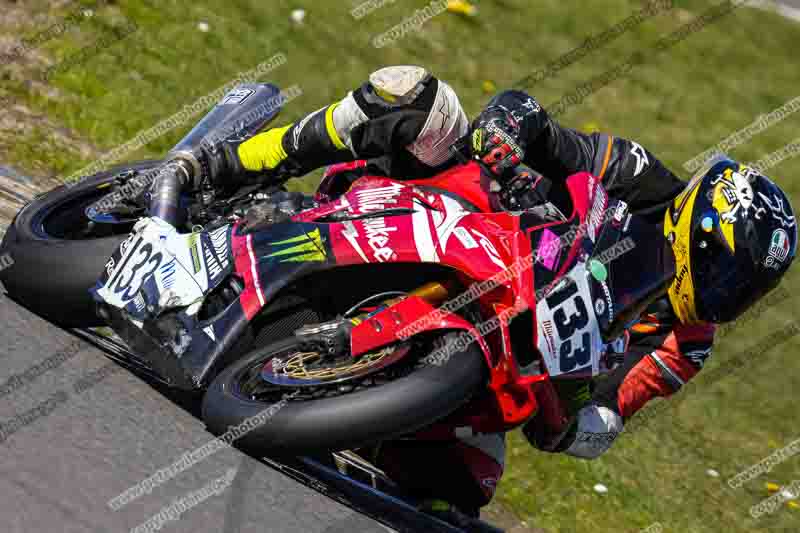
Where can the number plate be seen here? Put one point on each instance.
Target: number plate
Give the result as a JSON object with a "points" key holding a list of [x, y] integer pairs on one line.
{"points": [[568, 333], [129, 267]]}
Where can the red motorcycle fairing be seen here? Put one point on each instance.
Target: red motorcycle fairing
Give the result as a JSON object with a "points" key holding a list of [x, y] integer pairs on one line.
{"points": [[467, 182], [380, 220]]}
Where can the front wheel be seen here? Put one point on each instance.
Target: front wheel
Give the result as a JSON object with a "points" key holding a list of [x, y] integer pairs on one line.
{"points": [[400, 399]]}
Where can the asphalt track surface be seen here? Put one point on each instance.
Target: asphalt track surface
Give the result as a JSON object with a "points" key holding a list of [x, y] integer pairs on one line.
{"points": [[68, 446]]}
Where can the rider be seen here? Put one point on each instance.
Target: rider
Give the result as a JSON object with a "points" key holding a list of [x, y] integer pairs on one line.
{"points": [[732, 241]]}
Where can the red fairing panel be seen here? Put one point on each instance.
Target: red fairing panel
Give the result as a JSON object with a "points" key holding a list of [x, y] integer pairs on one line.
{"points": [[428, 228], [393, 324], [252, 298], [466, 181]]}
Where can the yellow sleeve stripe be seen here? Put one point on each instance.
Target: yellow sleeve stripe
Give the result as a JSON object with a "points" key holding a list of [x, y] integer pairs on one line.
{"points": [[337, 142], [263, 151]]}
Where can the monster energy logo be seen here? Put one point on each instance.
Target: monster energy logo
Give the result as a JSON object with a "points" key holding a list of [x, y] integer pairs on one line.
{"points": [[306, 247]]}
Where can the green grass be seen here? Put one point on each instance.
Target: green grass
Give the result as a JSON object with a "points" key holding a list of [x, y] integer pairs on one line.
{"points": [[677, 104]]}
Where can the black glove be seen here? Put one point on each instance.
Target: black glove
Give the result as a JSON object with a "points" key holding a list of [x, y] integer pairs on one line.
{"points": [[497, 140], [221, 161], [524, 191]]}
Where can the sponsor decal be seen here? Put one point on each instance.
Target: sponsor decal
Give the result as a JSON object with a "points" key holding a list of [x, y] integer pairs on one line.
{"points": [[489, 248], [299, 128], [372, 200], [600, 306], [627, 224], [213, 266], [236, 96], [351, 234], [194, 242], [549, 250], [445, 224], [138, 301], [466, 239], [477, 140], [609, 302], [597, 211], [547, 328], [698, 357], [219, 239], [305, 247], [110, 264], [168, 273], [619, 212], [530, 106], [778, 249], [377, 233], [680, 277], [641, 158], [376, 230], [127, 242]]}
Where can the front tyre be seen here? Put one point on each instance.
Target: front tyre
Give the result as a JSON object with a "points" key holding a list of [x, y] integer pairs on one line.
{"points": [[407, 396]]}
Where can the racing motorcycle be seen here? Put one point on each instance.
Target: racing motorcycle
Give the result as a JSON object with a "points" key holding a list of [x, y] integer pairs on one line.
{"points": [[364, 313]]}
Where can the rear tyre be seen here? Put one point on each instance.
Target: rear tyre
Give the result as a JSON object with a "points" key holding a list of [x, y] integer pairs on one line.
{"points": [[52, 271]]}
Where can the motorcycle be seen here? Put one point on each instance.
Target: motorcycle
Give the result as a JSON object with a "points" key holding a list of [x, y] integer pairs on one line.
{"points": [[370, 311]]}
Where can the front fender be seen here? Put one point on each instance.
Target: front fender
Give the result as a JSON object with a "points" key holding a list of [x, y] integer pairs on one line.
{"points": [[406, 318]]}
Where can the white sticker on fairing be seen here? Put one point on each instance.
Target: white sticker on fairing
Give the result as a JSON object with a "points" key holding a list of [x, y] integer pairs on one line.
{"points": [[143, 253], [466, 239], [568, 333], [445, 223], [219, 238], [597, 212], [155, 249], [490, 249]]}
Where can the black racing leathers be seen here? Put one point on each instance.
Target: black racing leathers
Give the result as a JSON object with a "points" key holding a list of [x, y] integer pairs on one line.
{"points": [[628, 171], [663, 354]]}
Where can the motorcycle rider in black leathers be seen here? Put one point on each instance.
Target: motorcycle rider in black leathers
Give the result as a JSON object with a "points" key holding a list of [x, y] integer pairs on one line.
{"points": [[402, 122]]}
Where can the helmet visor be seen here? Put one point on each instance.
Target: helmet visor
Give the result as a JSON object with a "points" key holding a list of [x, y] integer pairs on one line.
{"points": [[724, 282]]}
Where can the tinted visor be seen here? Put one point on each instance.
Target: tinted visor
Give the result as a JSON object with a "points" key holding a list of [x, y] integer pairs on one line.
{"points": [[724, 284]]}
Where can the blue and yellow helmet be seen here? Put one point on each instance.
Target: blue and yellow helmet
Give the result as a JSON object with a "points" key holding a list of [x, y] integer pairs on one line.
{"points": [[734, 235]]}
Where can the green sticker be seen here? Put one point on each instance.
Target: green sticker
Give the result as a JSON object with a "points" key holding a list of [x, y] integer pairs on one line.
{"points": [[598, 270]]}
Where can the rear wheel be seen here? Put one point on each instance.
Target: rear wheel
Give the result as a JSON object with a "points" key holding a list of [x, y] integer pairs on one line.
{"points": [[329, 414], [58, 253]]}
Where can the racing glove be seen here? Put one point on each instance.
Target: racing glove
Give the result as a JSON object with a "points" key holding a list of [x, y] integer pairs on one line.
{"points": [[497, 140], [233, 160], [524, 191]]}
